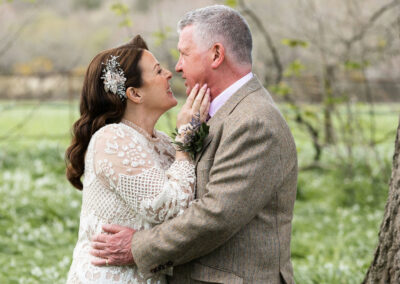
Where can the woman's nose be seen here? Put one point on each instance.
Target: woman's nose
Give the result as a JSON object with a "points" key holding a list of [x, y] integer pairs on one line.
{"points": [[168, 74]]}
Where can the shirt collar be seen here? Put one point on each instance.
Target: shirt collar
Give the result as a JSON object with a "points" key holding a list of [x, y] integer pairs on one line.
{"points": [[220, 100]]}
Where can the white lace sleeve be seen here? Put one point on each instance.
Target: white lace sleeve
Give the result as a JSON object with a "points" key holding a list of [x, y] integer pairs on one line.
{"points": [[125, 161]]}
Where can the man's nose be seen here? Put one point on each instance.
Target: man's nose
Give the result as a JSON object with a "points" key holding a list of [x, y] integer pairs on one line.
{"points": [[178, 66]]}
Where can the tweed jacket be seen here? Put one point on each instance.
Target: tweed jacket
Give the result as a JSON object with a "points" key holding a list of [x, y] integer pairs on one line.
{"points": [[238, 229]]}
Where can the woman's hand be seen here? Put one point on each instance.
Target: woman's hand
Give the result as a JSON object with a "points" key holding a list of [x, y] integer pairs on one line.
{"points": [[197, 105]]}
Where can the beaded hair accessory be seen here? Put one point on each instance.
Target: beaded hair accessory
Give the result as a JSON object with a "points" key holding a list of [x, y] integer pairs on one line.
{"points": [[114, 78]]}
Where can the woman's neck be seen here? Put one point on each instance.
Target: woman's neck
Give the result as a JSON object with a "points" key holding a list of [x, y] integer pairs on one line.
{"points": [[144, 120]]}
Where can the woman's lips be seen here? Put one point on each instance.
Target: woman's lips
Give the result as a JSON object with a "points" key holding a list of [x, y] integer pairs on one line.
{"points": [[169, 91]]}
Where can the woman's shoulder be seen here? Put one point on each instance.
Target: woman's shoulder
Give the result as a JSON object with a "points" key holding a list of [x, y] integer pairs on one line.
{"points": [[164, 138], [166, 142], [113, 132], [107, 129], [162, 135]]}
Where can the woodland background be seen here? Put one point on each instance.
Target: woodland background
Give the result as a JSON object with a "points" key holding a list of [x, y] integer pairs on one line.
{"points": [[332, 66]]}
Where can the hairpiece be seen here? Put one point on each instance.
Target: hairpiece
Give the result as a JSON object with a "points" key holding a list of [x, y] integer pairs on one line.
{"points": [[114, 78]]}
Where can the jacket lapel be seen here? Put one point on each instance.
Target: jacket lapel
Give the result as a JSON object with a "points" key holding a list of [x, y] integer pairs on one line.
{"points": [[252, 85]]}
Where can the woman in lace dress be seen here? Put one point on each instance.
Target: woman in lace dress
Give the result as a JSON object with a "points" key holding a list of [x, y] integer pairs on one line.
{"points": [[132, 174]]}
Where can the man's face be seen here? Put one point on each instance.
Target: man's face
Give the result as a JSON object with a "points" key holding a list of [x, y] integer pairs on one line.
{"points": [[193, 60]]}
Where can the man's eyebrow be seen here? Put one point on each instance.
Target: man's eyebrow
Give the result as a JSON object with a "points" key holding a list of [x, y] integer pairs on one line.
{"points": [[157, 64]]}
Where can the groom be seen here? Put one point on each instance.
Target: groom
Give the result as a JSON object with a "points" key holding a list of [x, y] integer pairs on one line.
{"points": [[239, 227]]}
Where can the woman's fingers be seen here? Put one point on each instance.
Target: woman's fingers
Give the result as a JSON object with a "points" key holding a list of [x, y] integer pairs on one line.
{"points": [[204, 105], [192, 95], [208, 107], [197, 101]]}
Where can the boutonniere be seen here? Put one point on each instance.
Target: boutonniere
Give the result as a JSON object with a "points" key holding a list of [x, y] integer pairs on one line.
{"points": [[190, 137]]}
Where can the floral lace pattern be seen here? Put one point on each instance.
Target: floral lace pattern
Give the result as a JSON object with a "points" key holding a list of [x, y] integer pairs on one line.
{"points": [[130, 180]]}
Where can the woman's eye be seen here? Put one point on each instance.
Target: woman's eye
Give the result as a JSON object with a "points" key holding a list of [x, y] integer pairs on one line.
{"points": [[159, 71]]}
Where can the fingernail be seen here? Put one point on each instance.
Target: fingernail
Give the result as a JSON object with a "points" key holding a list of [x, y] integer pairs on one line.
{"points": [[197, 85], [205, 86]]}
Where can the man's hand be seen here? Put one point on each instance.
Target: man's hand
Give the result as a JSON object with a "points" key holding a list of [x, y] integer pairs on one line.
{"points": [[113, 248]]}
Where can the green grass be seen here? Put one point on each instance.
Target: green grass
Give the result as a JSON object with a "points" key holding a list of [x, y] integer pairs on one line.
{"points": [[337, 215]]}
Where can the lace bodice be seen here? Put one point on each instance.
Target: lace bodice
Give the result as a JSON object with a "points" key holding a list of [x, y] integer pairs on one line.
{"points": [[131, 179]]}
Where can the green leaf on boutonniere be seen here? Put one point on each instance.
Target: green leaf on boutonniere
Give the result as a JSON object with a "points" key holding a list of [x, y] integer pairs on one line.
{"points": [[195, 143]]}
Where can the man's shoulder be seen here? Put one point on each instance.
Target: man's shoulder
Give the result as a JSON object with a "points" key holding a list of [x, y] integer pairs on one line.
{"points": [[258, 105]]}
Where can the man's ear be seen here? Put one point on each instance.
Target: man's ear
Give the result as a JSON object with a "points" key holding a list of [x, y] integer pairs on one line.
{"points": [[133, 95], [218, 54]]}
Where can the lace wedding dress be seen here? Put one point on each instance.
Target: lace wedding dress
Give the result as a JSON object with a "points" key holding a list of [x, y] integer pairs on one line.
{"points": [[131, 179]]}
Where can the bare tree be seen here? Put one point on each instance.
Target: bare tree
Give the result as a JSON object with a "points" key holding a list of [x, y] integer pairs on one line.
{"points": [[277, 63]]}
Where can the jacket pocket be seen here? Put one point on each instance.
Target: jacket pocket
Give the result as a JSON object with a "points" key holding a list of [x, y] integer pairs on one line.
{"points": [[209, 274]]}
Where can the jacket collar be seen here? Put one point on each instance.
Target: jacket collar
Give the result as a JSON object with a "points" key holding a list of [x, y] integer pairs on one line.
{"points": [[251, 86]]}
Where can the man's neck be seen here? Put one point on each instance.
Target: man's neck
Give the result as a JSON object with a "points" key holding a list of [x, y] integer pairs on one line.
{"points": [[223, 80]]}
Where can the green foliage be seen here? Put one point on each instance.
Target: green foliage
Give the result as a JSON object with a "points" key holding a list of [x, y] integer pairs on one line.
{"points": [[122, 10], [282, 89], [39, 217], [355, 65], [161, 36], [10, 1], [382, 43], [88, 4], [196, 145], [337, 214], [174, 53], [337, 219], [231, 3], [294, 42], [294, 69]]}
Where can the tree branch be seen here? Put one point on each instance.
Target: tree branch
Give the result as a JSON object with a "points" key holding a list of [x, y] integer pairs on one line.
{"points": [[375, 16], [275, 55]]}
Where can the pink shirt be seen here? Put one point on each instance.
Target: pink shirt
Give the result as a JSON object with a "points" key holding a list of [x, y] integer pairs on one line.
{"points": [[219, 101]]}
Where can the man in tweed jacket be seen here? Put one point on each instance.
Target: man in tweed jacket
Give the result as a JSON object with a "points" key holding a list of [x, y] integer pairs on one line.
{"points": [[239, 227]]}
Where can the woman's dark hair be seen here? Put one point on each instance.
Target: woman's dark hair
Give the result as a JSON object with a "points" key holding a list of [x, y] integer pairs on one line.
{"points": [[98, 107]]}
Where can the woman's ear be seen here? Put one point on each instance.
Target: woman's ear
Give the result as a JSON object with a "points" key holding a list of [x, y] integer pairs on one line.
{"points": [[218, 55], [133, 95]]}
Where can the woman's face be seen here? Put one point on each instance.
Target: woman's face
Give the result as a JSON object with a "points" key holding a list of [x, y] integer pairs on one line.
{"points": [[156, 90]]}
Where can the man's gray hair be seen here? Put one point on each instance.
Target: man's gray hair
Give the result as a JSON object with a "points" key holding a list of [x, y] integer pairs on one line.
{"points": [[219, 23]]}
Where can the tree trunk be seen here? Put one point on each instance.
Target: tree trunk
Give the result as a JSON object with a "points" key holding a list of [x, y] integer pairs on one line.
{"points": [[385, 268]]}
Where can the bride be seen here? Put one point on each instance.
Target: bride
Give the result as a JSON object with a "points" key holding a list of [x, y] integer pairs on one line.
{"points": [[132, 174]]}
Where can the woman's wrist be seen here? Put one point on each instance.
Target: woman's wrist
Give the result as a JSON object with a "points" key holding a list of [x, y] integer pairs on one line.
{"points": [[181, 155]]}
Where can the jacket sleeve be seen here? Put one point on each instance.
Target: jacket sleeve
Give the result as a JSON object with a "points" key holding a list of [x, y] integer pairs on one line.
{"points": [[245, 172]]}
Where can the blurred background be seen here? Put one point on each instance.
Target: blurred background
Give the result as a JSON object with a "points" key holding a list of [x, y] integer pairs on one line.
{"points": [[332, 66]]}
